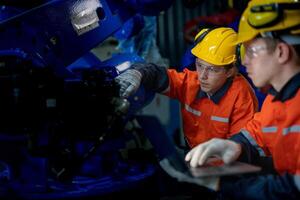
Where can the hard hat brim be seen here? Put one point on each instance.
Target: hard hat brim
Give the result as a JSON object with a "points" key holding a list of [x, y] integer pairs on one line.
{"points": [[246, 36]]}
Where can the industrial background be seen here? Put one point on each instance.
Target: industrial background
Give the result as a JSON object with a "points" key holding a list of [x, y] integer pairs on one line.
{"points": [[64, 131]]}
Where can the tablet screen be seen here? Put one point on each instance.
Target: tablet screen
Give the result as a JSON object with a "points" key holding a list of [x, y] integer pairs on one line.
{"points": [[218, 168]]}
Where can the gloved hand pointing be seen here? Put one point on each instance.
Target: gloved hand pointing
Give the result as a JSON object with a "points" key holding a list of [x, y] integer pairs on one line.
{"points": [[129, 82], [227, 150]]}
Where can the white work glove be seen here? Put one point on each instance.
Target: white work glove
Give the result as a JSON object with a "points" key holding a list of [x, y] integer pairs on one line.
{"points": [[208, 182], [226, 150], [129, 82]]}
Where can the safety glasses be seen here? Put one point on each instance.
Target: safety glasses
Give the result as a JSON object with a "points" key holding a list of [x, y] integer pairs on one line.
{"points": [[252, 51], [211, 70], [249, 51]]}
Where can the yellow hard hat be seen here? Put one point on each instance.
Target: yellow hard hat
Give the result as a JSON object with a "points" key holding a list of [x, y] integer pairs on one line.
{"points": [[262, 16], [216, 46]]}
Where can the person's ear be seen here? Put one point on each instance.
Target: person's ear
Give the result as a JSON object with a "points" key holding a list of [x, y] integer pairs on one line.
{"points": [[283, 52]]}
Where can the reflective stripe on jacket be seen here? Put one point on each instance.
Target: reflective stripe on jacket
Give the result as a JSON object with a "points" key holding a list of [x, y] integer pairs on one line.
{"points": [[276, 130], [202, 118]]}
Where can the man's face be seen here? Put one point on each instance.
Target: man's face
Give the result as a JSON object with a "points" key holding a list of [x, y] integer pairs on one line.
{"points": [[211, 77], [259, 62]]}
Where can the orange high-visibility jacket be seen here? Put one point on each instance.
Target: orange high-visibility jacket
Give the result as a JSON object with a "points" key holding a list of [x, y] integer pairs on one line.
{"points": [[275, 130], [204, 119]]}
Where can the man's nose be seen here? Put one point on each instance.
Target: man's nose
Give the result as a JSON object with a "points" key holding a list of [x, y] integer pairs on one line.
{"points": [[204, 74]]}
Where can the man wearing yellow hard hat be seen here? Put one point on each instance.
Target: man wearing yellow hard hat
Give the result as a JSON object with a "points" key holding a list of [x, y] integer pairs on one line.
{"points": [[215, 100], [270, 33]]}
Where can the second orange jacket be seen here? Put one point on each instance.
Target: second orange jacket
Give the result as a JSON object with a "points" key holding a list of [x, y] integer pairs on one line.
{"points": [[275, 131]]}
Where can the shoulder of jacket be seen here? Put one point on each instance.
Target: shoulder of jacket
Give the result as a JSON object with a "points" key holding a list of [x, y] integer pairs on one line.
{"points": [[240, 82]]}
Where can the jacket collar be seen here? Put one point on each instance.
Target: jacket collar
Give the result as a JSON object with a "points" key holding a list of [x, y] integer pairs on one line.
{"points": [[288, 91], [217, 96]]}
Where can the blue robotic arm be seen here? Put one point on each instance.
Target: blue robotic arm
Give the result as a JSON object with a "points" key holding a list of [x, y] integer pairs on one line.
{"points": [[52, 87]]}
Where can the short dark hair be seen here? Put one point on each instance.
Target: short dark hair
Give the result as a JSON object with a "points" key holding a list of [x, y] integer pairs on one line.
{"points": [[297, 49], [272, 43], [229, 66]]}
